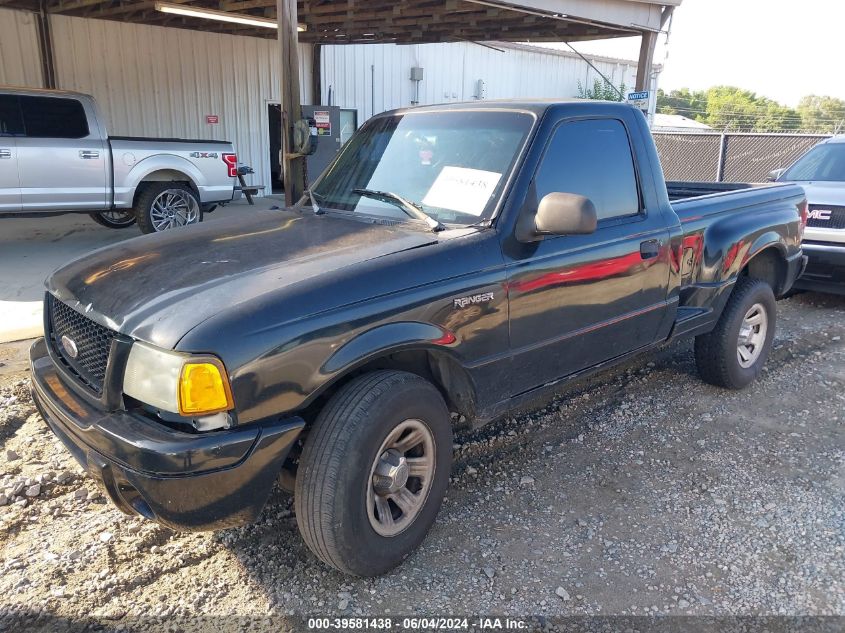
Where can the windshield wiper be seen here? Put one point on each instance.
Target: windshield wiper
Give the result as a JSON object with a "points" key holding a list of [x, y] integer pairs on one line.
{"points": [[411, 209], [314, 206]]}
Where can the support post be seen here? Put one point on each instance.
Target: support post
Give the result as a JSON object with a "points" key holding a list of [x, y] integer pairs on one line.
{"points": [[45, 46], [316, 74], [647, 46], [294, 172], [644, 65], [720, 165]]}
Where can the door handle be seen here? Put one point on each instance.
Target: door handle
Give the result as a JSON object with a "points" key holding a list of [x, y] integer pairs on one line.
{"points": [[87, 153], [5, 153], [650, 249]]}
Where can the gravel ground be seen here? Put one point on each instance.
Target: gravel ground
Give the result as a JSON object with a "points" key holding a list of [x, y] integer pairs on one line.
{"points": [[642, 492]]}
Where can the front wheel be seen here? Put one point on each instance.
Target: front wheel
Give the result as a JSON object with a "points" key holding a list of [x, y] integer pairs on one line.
{"points": [[114, 219], [166, 205], [373, 472], [733, 354]]}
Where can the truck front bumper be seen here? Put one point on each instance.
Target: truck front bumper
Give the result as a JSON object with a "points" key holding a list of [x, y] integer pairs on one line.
{"points": [[825, 270], [186, 481]]}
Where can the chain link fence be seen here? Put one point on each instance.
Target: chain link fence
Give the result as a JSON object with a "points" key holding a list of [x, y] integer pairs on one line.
{"points": [[729, 157]]}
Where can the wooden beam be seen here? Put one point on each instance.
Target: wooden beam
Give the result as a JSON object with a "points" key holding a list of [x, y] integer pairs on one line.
{"points": [[294, 171], [647, 46], [316, 74], [45, 46]]}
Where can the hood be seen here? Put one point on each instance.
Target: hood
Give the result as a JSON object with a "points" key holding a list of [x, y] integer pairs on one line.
{"points": [[156, 288], [821, 192]]}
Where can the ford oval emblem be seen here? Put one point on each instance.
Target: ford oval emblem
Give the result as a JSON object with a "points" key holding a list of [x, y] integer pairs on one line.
{"points": [[70, 346]]}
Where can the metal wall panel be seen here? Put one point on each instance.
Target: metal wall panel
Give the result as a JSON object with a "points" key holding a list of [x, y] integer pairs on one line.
{"points": [[20, 61], [155, 81], [452, 72]]}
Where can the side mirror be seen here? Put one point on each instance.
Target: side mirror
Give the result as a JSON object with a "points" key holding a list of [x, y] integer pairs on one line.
{"points": [[565, 214], [775, 174]]}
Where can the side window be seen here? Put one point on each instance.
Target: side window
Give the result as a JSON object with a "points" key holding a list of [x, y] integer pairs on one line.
{"points": [[591, 158], [51, 117], [11, 123]]}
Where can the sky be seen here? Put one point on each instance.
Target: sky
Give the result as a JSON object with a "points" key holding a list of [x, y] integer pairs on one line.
{"points": [[780, 49]]}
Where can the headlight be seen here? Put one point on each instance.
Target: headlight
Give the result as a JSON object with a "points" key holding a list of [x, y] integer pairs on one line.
{"points": [[179, 383]]}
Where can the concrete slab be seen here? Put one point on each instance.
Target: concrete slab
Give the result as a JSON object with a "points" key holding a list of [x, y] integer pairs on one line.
{"points": [[31, 248]]}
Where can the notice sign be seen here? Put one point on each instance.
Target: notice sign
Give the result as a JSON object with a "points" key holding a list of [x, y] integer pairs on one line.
{"points": [[639, 100], [323, 122], [212, 119], [462, 189]]}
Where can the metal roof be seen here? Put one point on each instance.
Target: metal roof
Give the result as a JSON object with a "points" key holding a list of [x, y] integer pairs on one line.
{"points": [[395, 21]]}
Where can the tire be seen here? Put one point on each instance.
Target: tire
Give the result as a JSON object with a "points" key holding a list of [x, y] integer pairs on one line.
{"points": [[337, 501], [185, 207], [114, 219], [718, 356]]}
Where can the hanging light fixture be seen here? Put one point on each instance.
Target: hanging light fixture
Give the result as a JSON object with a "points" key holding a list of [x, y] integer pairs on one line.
{"points": [[220, 16]]}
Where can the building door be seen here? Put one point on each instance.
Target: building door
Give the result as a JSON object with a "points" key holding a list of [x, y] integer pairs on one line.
{"points": [[274, 131]]}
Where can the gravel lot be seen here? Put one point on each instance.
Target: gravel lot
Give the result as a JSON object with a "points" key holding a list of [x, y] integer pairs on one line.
{"points": [[643, 491]]}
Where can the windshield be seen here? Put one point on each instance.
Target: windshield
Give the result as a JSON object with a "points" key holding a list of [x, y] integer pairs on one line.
{"points": [[823, 162], [451, 165]]}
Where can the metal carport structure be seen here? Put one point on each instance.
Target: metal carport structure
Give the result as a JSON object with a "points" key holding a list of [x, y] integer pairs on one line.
{"points": [[321, 22]]}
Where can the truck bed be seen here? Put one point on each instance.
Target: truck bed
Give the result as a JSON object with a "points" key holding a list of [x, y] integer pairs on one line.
{"points": [[701, 199], [682, 189], [155, 139]]}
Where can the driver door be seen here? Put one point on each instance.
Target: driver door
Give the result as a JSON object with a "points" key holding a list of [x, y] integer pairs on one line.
{"points": [[579, 300]]}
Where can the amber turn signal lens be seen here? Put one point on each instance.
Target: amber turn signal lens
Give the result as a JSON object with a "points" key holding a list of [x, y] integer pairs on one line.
{"points": [[203, 389]]}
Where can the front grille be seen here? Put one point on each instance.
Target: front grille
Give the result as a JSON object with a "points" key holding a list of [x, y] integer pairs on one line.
{"points": [[93, 343], [826, 216]]}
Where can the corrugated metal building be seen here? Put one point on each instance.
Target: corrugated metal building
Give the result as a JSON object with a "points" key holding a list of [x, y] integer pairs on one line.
{"points": [[372, 78], [157, 81]]}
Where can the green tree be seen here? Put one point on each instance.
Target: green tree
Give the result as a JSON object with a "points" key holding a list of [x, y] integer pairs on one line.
{"points": [[601, 91], [684, 102], [730, 109], [822, 114]]}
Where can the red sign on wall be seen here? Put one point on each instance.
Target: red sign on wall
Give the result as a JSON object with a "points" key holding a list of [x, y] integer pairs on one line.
{"points": [[212, 119]]}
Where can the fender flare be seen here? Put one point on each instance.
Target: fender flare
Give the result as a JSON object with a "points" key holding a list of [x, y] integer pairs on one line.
{"points": [[765, 241], [380, 341], [164, 162]]}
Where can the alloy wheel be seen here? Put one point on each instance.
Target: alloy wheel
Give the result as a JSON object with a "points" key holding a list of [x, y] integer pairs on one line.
{"points": [[401, 477], [752, 335], [172, 208]]}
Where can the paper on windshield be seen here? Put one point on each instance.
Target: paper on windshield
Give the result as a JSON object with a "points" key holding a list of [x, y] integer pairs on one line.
{"points": [[462, 189]]}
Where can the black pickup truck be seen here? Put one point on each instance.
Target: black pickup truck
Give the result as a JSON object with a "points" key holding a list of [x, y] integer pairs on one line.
{"points": [[461, 258]]}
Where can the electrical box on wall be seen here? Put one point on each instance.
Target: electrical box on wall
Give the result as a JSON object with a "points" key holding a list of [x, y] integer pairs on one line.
{"points": [[416, 73], [480, 89]]}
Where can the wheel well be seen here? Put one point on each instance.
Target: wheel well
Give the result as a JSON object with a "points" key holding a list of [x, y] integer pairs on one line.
{"points": [[770, 266], [164, 175], [440, 369]]}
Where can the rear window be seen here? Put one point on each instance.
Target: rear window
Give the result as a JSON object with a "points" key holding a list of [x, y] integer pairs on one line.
{"points": [[11, 122], [52, 117]]}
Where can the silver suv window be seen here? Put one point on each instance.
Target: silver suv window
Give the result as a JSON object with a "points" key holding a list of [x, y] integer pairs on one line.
{"points": [[53, 117], [11, 121]]}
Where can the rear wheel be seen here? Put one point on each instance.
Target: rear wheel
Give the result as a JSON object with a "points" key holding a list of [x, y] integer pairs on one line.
{"points": [[166, 205], [114, 219], [733, 354], [373, 472]]}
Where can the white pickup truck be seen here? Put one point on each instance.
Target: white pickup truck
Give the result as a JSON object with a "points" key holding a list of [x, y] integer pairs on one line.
{"points": [[56, 157]]}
